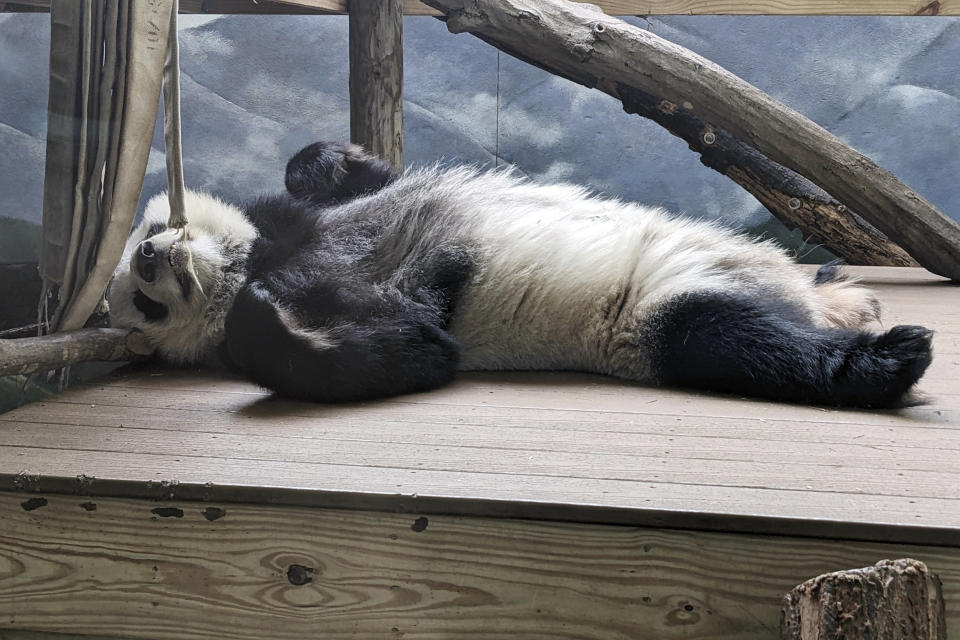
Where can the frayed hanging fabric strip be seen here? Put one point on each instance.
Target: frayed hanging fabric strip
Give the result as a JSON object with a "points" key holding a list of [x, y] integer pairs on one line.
{"points": [[171, 125]]}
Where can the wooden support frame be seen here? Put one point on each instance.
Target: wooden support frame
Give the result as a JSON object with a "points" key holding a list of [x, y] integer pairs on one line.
{"points": [[577, 42], [376, 77], [191, 570], [610, 7]]}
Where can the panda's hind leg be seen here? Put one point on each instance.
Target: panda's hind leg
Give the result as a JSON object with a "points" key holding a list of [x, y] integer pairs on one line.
{"points": [[767, 347], [326, 173]]}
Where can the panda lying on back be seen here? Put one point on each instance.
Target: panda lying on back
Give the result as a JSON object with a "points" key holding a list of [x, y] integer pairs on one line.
{"points": [[362, 283]]}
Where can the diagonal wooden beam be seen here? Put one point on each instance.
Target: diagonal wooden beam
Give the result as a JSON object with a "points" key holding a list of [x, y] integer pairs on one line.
{"points": [[578, 42], [610, 7]]}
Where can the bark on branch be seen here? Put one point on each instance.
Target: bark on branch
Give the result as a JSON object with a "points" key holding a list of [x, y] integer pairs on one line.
{"points": [[28, 355], [794, 200], [893, 600], [582, 44]]}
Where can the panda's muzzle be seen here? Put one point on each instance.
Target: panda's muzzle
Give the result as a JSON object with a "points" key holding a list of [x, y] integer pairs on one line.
{"points": [[145, 261]]}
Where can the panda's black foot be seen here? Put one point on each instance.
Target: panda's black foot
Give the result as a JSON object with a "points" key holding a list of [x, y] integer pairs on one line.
{"points": [[880, 370], [325, 173]]}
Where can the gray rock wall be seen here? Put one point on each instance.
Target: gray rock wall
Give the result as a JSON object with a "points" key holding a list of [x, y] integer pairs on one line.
{"points": [[256, 88]]}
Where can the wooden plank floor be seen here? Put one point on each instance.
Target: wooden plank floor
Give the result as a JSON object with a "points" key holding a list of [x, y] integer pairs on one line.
{"points": [[549, 446]]}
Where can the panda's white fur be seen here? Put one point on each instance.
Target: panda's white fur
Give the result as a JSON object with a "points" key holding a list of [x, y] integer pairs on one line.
{"points": [[386, 284], [219, 236], [557, 260]]}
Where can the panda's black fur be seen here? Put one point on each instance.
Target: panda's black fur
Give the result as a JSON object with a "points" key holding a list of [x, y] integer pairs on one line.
{"points": [[390, 340], [361, 282]]}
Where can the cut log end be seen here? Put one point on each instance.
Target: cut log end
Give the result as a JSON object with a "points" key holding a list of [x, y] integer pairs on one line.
{"points": [[894, 599]]}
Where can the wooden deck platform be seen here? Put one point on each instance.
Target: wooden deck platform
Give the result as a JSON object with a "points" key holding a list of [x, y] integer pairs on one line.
{"points": [[521, 505]]}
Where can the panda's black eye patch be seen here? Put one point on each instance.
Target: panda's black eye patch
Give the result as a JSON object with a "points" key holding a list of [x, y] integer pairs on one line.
{"points": [[151, 309], [155, 228]]}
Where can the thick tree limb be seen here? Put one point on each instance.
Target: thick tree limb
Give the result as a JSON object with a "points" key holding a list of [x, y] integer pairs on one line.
{"points": [[794, 200], [893, 600], [582, 44], [28, 355]]}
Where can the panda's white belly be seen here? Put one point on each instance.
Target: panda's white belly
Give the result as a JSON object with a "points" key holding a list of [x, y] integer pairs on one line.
{"points": [[560, 285]]}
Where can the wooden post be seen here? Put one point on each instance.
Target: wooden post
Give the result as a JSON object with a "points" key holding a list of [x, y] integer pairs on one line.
{"points": [[892, 600], [376, 77]]}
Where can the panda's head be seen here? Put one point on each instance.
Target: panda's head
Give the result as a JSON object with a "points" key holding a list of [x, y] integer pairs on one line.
{"points": [[176, 285]]}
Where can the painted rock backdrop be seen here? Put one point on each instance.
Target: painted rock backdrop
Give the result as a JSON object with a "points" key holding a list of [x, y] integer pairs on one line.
{"points": [[256, 88]]}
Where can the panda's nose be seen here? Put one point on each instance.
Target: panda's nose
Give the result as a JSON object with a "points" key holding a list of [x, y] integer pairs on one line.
{"points": [[145, 262]]}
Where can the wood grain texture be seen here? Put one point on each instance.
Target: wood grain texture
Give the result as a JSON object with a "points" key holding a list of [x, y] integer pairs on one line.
{"points": [[376, 77], [611, 7], [757, 7], [794, 200], [894, 600], [577, 42], [186, 570], [535, 445]]}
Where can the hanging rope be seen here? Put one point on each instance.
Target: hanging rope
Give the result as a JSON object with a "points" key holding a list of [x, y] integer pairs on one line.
{"points": [[171, 125]]}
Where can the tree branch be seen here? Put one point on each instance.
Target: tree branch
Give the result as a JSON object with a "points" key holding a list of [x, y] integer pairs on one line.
{"points": [[794, 200], [582, 44], [28, 355]]}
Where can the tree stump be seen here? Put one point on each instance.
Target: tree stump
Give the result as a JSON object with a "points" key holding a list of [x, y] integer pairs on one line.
{"points": [[892, 600]]}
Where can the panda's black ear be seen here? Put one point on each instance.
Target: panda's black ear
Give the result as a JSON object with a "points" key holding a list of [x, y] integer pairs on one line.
{"points": [[326, 173]]}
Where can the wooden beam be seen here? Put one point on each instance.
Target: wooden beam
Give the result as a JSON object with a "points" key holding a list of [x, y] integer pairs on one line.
{"points": [[333, 6], [190, 570], [729, 7], [578, 42], [610, 7], [794, 200], [376, 77]]}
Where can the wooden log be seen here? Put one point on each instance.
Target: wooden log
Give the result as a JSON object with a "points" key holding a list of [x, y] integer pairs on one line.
{"points": [[376, 77], [892, 600], [579, 42], [29, 355], [794, 200], [610, 7]]}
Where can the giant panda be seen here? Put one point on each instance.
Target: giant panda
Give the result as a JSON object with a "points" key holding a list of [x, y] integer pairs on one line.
{"points": [[361, 282]]}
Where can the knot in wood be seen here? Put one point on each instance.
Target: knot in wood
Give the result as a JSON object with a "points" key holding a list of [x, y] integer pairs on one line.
{"points": [[299, 575]]}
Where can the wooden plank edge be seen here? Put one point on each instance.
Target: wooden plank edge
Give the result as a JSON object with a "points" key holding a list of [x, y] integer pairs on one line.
{"points": [[162, 490], [184, 571]]}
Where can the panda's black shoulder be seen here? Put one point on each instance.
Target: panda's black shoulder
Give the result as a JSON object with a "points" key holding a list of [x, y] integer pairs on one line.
{"points": [[279, 215], [285, 227]]}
